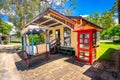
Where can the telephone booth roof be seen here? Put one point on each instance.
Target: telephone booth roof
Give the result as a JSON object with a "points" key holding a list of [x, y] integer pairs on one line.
{"points": [[86, 28]]}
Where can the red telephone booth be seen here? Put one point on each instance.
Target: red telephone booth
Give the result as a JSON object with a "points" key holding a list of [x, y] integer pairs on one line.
{"points": [[86, 45]]}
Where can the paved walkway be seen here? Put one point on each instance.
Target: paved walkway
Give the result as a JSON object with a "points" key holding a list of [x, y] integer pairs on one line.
{"points": [[61, 67], [58, 67], [8, 69]]}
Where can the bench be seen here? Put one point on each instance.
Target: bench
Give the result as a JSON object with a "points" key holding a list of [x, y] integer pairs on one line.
{"points": [[66, 50]]}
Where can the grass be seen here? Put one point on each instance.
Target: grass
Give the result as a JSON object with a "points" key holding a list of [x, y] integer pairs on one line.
{"points": [[106, 49], [13, 43]]}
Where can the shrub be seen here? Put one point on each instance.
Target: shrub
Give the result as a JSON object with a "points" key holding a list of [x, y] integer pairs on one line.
{"points": [[116, 41], [5, 42], [38, 39]]}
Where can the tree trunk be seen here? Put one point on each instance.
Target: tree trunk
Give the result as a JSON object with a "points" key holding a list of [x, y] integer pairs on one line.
{"points": [[119, 11]]}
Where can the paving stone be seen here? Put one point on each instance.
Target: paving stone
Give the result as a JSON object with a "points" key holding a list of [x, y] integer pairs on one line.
{"points": [[60, 67]]}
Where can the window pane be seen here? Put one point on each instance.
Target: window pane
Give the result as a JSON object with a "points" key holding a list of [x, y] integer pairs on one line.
{"points": [[67, 36], [84, 35], [84, 46], [85, 53]]}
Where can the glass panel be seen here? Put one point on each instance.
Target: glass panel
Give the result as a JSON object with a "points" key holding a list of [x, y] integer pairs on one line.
{"points": [[94, 40], [98, 38], [84, 53], [84, 46], [93, 35], [93, 54], [81, 40], [67, 36], [84, 58], [81, 35], [84, 35], [86, 41]]}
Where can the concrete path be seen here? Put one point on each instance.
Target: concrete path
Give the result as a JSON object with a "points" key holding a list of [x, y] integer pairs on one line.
{"points": [[57, 67], [8, 69]]}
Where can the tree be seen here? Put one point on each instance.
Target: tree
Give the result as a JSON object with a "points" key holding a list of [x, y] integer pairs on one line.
{"points": [[106, 20], [114, 31], [27, 9], [38, 39], [5, 28], [95, 18]]}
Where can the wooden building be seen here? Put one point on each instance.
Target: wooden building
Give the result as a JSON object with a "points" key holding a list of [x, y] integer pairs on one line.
{"points": [[63, 34]]}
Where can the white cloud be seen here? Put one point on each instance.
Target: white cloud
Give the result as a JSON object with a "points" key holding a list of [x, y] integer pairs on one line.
{"points": [[84, 15]]}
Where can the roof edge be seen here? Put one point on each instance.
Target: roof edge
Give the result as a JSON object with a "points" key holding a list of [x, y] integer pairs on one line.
{"points": [[85, 20]]}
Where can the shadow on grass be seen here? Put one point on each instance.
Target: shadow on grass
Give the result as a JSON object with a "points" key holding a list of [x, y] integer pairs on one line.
{"points": [[111, 42], [107, 54]]}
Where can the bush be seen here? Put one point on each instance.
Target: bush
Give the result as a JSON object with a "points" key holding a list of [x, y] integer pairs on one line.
{"points": [[5, 42], [38, 39], [116, 41]]}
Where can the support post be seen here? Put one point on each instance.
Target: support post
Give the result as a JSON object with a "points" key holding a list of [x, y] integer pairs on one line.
{"points": [[22, 39], [47, 43], [32, 43]]}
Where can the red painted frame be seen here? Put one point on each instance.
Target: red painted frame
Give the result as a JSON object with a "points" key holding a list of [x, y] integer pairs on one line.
{"points": [[92, 55]]}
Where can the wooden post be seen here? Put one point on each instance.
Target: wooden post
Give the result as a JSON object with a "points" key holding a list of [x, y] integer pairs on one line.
{"points": [[32, 43], [47, 55], [22, 39]]}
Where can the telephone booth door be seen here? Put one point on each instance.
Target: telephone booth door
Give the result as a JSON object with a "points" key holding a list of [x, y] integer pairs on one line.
{"points": [[86, 46]]}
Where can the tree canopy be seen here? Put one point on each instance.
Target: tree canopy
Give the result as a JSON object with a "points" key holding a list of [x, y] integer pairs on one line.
{"points": [[114, 31], [24, 10], [106, 19], [5, 28]]}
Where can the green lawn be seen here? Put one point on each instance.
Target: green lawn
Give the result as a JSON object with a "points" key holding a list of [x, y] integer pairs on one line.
{"points": [[14, 43], [106, 49]]}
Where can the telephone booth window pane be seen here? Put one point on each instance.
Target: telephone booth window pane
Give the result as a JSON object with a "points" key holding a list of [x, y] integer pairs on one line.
{"points": [[81, 35], [93, 35], [84, 53], [93, 40], [98, 38], [86, 41], [93, 54], [81, 40], [84, 46], [84, 58], [84, 35]]}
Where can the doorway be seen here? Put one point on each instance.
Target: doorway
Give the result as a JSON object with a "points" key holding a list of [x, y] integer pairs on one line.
{"points": [[57, 34]]}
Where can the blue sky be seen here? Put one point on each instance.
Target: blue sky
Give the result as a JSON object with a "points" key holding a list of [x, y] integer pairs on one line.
{"points": [[86, 7]]}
